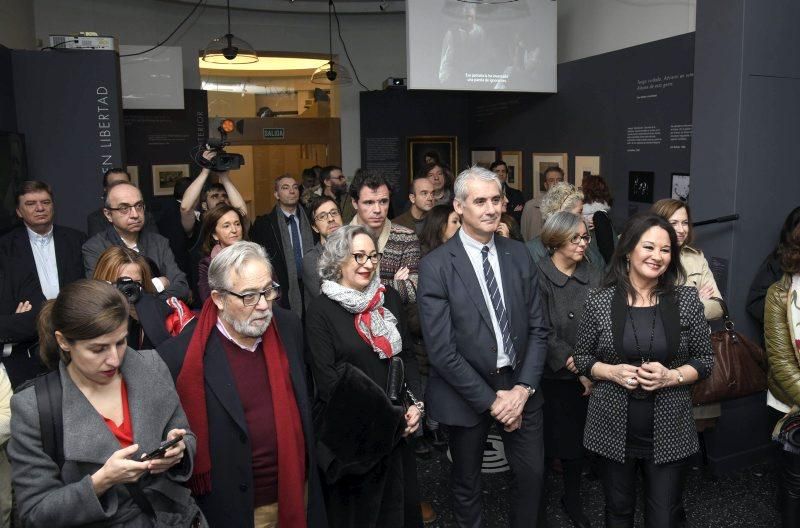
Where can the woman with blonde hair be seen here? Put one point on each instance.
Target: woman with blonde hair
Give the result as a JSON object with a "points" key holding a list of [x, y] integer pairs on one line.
{"points": [[561, 197]]}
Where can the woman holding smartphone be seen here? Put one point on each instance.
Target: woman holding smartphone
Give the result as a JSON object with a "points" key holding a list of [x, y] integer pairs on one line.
{"points": [[117, 404]]}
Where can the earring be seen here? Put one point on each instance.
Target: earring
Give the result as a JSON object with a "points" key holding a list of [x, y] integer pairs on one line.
{"points": [[628, 264]]}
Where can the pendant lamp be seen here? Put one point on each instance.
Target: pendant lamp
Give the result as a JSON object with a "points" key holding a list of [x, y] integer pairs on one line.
{"points": [[229, 49], [331, 73]]}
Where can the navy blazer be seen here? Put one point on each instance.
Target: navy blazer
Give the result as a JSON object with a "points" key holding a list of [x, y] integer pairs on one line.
{"points": [[458, 331], [230, 502]]}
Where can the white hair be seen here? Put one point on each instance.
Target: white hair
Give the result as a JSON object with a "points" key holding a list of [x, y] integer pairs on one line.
{"points": [[233, 258], [473, 173]]}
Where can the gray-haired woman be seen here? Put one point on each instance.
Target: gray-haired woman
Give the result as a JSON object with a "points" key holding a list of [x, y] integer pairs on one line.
{"points": [[565, 279], [357, 322]]}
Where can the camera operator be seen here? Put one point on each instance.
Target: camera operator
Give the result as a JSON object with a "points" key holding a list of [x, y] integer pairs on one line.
{"points": [[231, 196], [130, 273]]}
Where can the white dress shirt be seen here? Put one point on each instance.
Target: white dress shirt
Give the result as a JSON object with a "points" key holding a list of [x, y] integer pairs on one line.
{"points": [[44, 254], [474, 251]]}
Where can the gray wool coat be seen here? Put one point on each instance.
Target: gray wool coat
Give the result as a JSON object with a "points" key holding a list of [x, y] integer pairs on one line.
{"points": [[47, 497]]}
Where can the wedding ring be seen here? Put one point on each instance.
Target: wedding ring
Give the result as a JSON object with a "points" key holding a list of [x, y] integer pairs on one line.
{"points": [[631, 381]]}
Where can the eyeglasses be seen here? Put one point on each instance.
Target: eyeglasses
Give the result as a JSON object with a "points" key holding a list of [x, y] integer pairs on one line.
{"points": [[252, 298], [576, 239], [126, 209], [361, 258], [323, 217]]}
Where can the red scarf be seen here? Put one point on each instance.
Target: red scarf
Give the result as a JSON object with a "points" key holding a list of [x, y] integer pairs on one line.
{"points": [[289, 428], [363, 322]]}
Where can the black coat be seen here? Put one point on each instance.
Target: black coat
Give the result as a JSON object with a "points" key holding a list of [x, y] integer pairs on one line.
{"points": [[22, 284], [376, 486], [265, 232], [230, 502], [515, 199]]}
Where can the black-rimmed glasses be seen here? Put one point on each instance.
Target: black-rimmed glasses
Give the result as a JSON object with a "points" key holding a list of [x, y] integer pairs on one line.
{"points": [[126, 209], [577, 239], [252, 298], [323, 217], [361, 258]]}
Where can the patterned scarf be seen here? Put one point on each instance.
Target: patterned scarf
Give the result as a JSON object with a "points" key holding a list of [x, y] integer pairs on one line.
{"points": [[376, 325]]}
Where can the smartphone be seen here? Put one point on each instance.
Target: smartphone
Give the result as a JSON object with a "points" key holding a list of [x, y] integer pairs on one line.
{"points": [[160, 450]]}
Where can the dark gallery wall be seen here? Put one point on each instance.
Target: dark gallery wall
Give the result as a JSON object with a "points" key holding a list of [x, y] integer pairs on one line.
{"points": [[69, 107], [165, 137], [745, 159], [627, 107], [8, 117]]}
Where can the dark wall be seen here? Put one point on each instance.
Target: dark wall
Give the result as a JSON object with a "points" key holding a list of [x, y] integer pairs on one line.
{"points": [[165, 137], [389, 117], [599, 99], [747, 128], [69, 107], [8, 116]]}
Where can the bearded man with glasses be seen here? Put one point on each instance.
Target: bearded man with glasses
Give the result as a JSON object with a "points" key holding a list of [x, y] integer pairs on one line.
{"points": [[124, 210], [240, 375]]}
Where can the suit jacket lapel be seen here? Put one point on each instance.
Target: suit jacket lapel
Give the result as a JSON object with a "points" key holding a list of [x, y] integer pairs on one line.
{"points": [[508, 276], [219, 379], [463, 267]]}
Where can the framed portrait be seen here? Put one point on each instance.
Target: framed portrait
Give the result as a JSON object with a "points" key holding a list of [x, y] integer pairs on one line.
{"points": [[542, 162], [420, 148], [640, 186], [133, 171], [680, 186], [165, 177], [482, 157], [585, 166], [513, 159]]}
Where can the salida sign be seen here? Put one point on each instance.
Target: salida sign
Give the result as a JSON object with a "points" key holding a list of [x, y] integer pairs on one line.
{"points": [[273, 133]]}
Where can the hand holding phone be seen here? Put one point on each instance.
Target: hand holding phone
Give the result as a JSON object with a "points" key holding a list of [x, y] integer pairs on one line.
{"points": [[161, 449]]}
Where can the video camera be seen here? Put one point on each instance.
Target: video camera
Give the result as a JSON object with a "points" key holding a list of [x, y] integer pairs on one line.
{"points": [[223, 161]]}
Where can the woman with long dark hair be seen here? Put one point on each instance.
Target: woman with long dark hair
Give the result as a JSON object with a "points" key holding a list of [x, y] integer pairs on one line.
{"points": [[441, 223], [644, 341], [223, 226], [770, 270]]}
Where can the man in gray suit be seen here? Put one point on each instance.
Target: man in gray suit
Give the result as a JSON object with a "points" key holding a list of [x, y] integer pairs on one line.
{"points": [[124, 211], [487, 342]]}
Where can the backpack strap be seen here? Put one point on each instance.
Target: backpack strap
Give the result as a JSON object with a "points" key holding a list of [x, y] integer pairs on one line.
{"points": [[51, 423]]}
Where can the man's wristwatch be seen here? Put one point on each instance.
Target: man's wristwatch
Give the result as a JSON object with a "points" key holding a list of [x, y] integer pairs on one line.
{"points": [[528, 388]]}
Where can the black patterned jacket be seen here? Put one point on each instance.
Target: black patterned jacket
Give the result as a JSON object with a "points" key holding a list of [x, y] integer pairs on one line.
{"points": [[600, 339]]}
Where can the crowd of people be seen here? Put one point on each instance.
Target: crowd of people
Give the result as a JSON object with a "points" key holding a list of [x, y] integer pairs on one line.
{"points": [[199, 368]]}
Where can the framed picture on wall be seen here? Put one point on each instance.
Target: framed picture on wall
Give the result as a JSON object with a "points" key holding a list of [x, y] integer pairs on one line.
{"points": [[542, 162], [133, 171], [680, 186], [165, 177], [422, 148], [482, 157], [513, 159], [585, 166], [640, 186]]}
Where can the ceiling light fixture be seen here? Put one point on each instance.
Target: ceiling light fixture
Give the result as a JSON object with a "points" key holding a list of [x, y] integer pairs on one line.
{"points": [[487, 1], [331, 73], [229, 49]]}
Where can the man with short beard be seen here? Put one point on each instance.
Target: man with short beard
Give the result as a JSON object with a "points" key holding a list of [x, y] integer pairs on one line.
{"points": [[240, 376]]}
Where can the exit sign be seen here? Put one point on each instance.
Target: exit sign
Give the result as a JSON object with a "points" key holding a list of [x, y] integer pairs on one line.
{"points": [[273, 133]]}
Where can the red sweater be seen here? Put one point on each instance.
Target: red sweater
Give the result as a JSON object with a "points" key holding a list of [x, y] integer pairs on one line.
{"points": [[249, 370]]}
